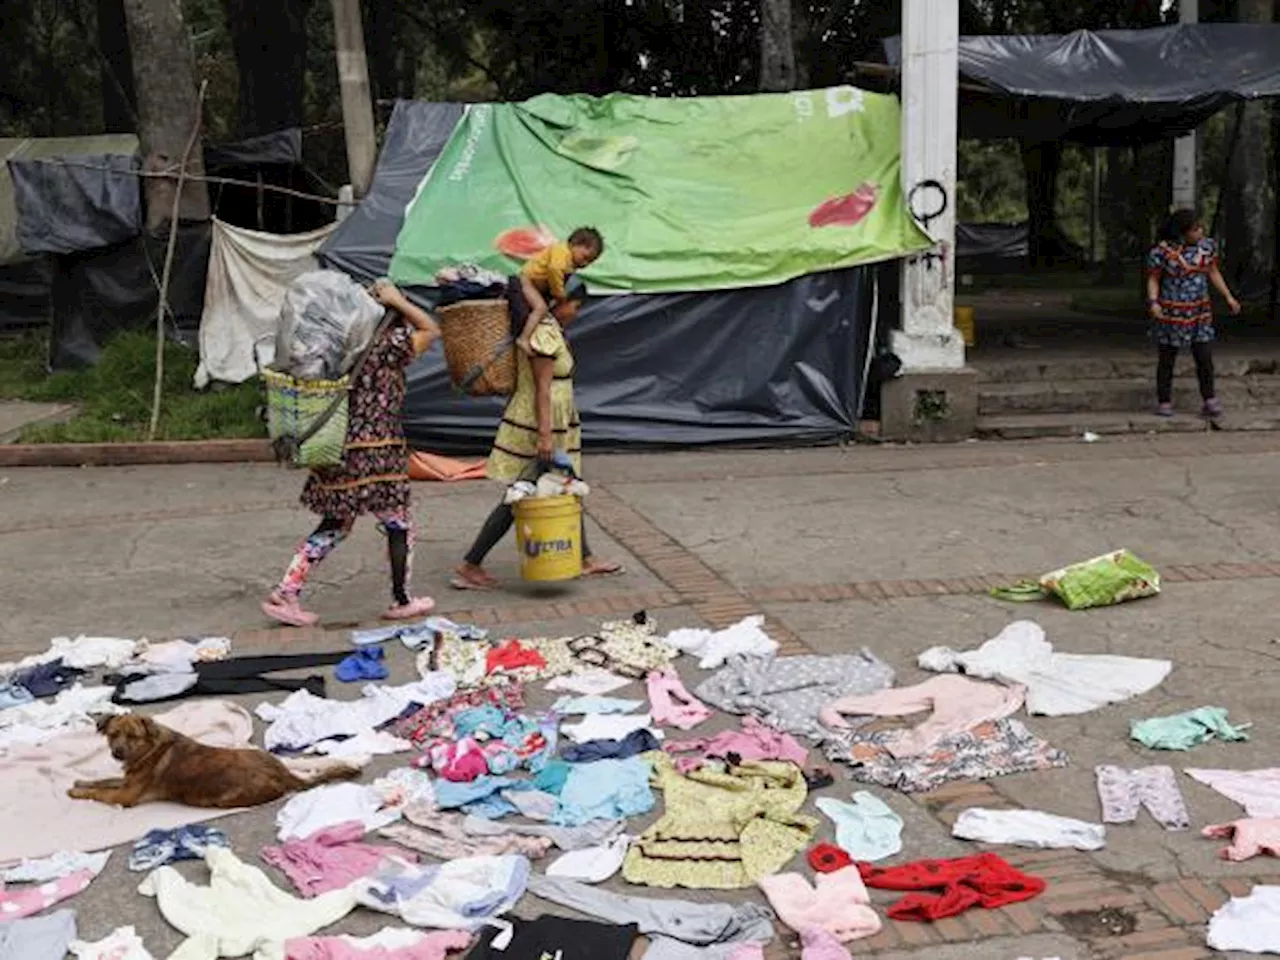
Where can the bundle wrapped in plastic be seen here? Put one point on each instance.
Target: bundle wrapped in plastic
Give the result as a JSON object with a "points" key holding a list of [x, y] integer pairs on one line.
{"points": [[326, 321]]}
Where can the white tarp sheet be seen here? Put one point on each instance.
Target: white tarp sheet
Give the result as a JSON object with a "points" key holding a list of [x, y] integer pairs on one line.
{"points": [[249, 272]]}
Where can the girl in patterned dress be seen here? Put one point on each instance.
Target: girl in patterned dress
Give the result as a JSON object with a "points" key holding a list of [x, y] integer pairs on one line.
{"points": [[540, 418], [1179, 270], [374, 474]]}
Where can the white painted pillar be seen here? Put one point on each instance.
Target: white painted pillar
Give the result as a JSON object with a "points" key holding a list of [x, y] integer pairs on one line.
{"points": [[928, 339], [1184, 148]]}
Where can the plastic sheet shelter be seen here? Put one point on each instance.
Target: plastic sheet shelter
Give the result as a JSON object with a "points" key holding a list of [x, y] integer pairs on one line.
{"points": [[1111, 86]]}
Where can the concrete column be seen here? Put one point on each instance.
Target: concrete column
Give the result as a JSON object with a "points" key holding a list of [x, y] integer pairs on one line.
{"points": [[1184, 148], [357, 101], [928, 339]]}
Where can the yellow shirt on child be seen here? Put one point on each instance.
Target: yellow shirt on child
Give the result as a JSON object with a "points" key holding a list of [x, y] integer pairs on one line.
{"points": [[549, 270]]}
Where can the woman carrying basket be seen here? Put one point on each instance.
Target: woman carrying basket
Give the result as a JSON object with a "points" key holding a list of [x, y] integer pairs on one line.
{"points": [[374, 474], [539, 420]]}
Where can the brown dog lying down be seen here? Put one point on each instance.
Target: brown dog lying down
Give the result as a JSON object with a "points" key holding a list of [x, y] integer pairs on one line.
{"points": [[162, 764]]}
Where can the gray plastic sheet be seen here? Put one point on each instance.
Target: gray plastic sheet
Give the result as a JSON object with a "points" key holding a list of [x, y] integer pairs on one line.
{"points": [[65, 208]]}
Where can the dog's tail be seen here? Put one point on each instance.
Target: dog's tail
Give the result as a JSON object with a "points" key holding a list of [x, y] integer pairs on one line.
{"points": [[333, 774]]}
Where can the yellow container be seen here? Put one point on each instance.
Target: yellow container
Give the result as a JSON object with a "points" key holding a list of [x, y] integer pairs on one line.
{"points": [[965, 317], [549, 537]]}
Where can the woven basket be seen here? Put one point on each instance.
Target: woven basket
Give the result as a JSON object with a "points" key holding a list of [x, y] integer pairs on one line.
{"points": [[478, 347], [293, 406]]}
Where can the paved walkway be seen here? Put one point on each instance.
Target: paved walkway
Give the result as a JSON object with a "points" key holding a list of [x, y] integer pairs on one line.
{"points": [[889, 548]]}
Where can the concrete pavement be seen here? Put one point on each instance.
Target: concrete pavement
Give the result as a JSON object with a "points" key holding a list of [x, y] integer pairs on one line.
{"points": [[891, 548]]}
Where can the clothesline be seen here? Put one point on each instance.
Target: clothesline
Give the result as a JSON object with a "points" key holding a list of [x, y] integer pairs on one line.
{"points": [[201, 178]]}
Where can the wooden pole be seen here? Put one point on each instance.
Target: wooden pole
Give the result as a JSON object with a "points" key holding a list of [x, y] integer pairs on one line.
{"points": [[357, 102], [174, 218]]}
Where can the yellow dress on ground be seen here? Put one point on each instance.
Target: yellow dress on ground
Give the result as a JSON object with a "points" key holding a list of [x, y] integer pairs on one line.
{"points": [[515, 448]]}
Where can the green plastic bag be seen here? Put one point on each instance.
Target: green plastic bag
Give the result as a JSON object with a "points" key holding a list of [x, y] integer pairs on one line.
{"points": [[1109, 579]]}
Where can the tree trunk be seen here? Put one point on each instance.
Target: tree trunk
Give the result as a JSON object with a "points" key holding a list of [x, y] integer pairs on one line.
{"points": [[777, 52], [164, 74], [119, 103], [270, 42], [1041, 163], [1249, 253]]}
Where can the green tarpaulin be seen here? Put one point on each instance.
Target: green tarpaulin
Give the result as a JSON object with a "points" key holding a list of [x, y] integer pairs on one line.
{"points": [[705, 193]]}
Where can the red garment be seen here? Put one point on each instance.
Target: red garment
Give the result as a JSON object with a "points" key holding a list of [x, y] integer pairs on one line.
{"points": [[511, 656], [828, 858], [982, 881]]}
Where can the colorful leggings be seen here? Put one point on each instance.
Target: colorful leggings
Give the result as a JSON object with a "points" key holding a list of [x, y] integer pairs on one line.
{"points": [[396, 525]]}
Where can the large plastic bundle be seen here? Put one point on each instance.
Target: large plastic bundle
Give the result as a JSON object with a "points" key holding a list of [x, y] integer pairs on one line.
{"points": [[326, 321]]}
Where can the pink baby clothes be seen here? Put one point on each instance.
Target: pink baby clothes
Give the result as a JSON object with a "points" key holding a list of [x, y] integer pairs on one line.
{"points": [[838, 903], [16, 904], [957, 704], [818, 944], [755, 741], [747, 951], [330, 859], [673, 705], [460, 762], [429, 946], [1258, 791], [1249, 838]]}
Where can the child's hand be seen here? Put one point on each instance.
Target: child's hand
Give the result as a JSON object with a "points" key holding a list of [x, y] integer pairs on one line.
{"points": [[387, 294], [1234, 306], [1154, 310], [525, 346]]}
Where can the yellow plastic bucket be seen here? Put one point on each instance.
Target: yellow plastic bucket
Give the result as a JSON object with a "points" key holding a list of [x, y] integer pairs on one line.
{"points": [[549, 537], [965, 317]]}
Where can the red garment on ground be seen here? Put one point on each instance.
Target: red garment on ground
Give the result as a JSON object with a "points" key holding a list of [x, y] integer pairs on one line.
{"points": [[982, 881], [511, 655], [828, 858]]}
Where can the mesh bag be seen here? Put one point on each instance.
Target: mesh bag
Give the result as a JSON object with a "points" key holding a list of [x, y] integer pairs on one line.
{"points": [[306, 419], [1101, 582]]}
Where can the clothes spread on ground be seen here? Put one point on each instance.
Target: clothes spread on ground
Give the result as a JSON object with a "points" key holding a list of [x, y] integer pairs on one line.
{"points": [[995, 749], [594, 864], [487, 739], [787, 693], [754, 741], [329, 859], [60, 864], [713, 648], [46, 679], [1123, 792], [38, 938], [673, 927], [468, 661], [1248, 924], [512, 655], [723, 827], [24, 901], [613, 727], [417, 635], [558, 938], [1258, 791], [437, 719], [633, 744], [1247, 838], [1057, 684], [367, 743], [956, 704], [303, 719], [391, 943], [818, 944], [230, 677], [673, 705], [37, 722], [464, 894], [580, 706], [123, 943], [1182, 731], [866, 829], [625, 647], [82, 653], [565, 838], [373, 805], [588, 683], [605, 790], [188, 842], [239, 909], [1028, 828], [828, 858], [175, 656], [13, 696], [447, 840], [34, 783], [367, 663], [836, 902], [985, 881]]}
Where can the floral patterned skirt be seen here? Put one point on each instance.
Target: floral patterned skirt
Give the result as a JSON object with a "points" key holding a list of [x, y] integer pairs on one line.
{"points": [[1182, 334], [371, 479]]}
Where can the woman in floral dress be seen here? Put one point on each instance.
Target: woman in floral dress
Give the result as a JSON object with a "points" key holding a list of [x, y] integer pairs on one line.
{"points": [[1179, 270], [374, 474]]}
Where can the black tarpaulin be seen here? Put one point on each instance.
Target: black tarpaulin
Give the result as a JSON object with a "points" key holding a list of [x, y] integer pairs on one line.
{"points": [[764, 366], [1112, 86], [65, 206], [281, 147]]}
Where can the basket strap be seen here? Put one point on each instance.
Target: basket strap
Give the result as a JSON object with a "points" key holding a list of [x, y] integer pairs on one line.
{"points": [[477, 371]]}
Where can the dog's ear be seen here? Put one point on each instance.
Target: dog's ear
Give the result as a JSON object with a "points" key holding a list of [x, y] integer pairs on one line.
{"points": [[104, 722]]}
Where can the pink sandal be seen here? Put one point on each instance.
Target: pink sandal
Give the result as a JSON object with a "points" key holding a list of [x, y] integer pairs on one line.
{"points": [[288, 610], [416, 607]]}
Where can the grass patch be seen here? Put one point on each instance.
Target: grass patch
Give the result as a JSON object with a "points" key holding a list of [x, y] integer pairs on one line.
{"points": [[115, 396]]}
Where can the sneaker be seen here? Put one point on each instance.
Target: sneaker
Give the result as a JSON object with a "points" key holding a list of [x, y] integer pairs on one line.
{"points": [[416, 607], [1164, 410], [288, 611], [1212, 409]]}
